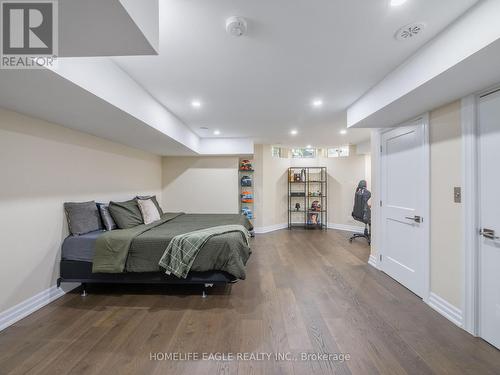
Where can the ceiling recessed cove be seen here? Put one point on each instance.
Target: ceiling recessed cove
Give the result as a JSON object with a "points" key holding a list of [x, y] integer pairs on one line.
{"points": [[236, 26], [410, 31]]}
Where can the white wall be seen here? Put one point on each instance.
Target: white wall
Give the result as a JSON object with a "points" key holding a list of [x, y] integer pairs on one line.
{"points": [[43, 165], [200, 184]]}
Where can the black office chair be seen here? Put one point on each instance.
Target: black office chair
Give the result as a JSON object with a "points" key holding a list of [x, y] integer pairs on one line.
{"points": [[361, 211]]}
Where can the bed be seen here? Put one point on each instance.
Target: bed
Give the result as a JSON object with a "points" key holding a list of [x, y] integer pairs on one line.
{"points": [[86, 258]]}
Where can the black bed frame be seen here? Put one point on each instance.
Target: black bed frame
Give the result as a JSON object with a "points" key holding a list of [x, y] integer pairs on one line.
{"points": [[81, 272]]}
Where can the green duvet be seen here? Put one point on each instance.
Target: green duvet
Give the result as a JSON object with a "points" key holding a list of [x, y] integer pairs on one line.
{"points": [[139, 249]]}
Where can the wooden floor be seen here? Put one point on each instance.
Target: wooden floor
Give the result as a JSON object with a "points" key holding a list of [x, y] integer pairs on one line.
{"points": [[306, 292]]}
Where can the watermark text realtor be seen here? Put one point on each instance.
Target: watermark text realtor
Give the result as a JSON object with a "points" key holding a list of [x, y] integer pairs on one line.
{"points": [[28, 34]]}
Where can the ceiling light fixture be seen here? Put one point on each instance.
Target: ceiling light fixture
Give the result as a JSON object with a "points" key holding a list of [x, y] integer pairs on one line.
{"points": [[343, 132], [317, 103], [293, 132], [196, 104], [396, 3], [308, 146], [216, 132]]}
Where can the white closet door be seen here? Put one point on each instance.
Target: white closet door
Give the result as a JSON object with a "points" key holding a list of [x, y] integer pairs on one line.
{"points": [[404, 244], [489, 250]]}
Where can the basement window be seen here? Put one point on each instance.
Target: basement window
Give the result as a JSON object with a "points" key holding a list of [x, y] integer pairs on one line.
{"points": [[277, 152], [338, 152], [304, 153]]}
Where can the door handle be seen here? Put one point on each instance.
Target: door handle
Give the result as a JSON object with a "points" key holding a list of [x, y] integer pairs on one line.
{"points": [[489, 234], [416, 218]]}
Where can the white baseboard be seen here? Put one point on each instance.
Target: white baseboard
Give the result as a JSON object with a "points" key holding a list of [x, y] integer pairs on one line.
{"points": [[29, 306], [452, 313], [270, 228], [344, 227], [372, 261], [347, 228]]}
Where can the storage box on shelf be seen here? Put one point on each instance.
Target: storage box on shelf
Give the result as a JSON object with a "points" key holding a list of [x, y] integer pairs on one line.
{"points": [[246, 188]]}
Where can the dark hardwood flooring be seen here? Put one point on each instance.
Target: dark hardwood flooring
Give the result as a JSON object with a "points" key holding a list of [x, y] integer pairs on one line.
{"points": [[306, 292]]}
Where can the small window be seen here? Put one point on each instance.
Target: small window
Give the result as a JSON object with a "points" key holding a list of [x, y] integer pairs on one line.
{"points": [[303, 153], [277, 152], [338, 152]]}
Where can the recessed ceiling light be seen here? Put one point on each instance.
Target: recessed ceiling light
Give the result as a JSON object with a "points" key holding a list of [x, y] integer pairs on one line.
{"points": [[293, 132], [317, 103], [343, 131], [396, 3], [196, 104], [216, 132]]}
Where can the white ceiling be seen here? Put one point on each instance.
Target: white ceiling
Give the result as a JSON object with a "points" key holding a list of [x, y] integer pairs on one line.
{"points": [[261, 85]]}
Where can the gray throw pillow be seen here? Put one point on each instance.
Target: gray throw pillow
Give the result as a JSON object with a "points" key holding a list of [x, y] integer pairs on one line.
{"points": [[82, 217], [126, 214], [153, 198], [106, 217]]}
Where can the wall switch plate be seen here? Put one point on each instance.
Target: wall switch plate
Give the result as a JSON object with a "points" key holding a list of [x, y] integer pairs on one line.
{"points": [[457, 194]]}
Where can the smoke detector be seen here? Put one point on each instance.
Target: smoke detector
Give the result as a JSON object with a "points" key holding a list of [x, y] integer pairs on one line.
{"points": [[236, 26], [410, 31]]}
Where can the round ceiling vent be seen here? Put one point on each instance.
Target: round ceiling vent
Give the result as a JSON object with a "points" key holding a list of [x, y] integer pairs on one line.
{"points": [[236, 26], [410, 31]]}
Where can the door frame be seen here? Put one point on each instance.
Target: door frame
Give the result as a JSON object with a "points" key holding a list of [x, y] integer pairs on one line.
{"points": [[471, 210], [425, 151]]}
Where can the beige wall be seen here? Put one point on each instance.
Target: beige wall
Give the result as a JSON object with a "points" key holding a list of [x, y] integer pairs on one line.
{"points": [[188, 181], [43, 165], [200, 184], [271, 188], [343, 177], [446, 216]]}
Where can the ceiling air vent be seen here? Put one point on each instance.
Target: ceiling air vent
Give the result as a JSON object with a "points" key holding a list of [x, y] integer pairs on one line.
{"points": [[410, 31]]}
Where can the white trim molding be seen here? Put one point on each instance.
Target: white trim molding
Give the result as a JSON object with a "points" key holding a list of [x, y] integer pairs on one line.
{"points": [[29, 306], [426, 182], [343, 227], [270, 228], [346, 227], [376, 159], [372, 261], [450, 312], [470, 213]]}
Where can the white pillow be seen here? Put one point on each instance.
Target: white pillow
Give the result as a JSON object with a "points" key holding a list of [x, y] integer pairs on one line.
{"points": [[148, 210]]}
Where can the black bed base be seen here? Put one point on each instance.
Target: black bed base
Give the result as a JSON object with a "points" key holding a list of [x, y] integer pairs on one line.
{"points": [[81, 272]]}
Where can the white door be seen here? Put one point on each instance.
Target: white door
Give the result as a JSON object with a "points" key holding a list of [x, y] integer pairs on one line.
{"points": [[404, 188], [489, 218]]}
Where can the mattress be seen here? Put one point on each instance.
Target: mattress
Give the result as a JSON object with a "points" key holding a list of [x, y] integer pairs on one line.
{"points": [[80, 248], [146, 249]]}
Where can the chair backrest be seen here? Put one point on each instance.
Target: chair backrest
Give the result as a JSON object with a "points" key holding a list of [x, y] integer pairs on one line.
{"points": [[361, 211]]}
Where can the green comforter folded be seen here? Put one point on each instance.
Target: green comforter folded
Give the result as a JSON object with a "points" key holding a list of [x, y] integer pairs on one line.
{"points": [[111, 249], [184, 248], [140, 249]]}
